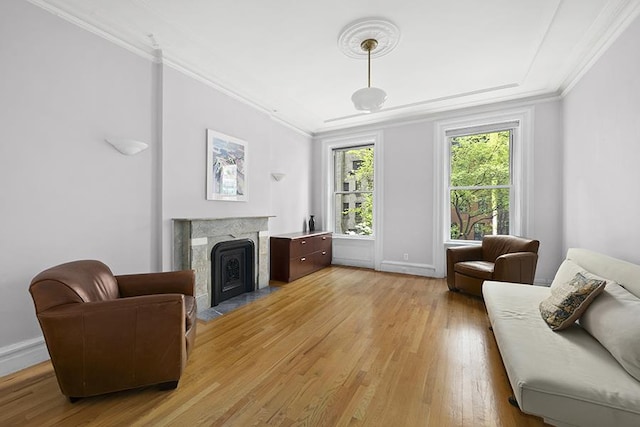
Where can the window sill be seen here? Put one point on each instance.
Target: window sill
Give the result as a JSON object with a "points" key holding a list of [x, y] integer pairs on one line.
{"points": [[453, 244], [352, 237]]}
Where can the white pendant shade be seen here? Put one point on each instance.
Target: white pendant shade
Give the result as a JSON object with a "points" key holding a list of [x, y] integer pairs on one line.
{"points": [[369, 99]]}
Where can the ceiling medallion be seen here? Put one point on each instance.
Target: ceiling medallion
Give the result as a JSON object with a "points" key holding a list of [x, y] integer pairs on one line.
{"points": [[384, 32]]}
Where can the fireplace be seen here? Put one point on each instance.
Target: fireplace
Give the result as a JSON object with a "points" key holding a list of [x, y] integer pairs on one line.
{"points": [[232, 269], [195, 238]]}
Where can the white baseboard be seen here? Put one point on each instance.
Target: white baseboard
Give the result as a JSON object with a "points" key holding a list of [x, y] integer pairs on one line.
{"points": [[425, 270], [362, 263], [21, 355]]}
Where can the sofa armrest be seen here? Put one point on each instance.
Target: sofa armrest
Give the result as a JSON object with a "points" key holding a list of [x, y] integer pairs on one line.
{"points": [[170, 282], [517, 267], [459, 254], [112, 345]]}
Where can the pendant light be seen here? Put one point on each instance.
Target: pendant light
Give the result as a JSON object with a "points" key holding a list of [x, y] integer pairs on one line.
{"points": [[369, 99]]}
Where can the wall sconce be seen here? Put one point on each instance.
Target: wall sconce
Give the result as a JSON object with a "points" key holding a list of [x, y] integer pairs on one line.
{"points": [[128, 147], [278, 176]]}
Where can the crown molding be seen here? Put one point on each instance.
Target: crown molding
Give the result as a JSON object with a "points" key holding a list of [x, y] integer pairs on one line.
{"points": [[144, 52], [619, 17], [151, 53], [190, 71], [611, 22], [403, 119]]}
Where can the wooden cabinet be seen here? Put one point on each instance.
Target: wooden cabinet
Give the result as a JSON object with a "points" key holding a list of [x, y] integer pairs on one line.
{"points": [[297, 254]]}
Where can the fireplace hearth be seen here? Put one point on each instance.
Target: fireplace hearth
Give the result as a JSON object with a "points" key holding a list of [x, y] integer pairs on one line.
{"points": [[232, 268]]}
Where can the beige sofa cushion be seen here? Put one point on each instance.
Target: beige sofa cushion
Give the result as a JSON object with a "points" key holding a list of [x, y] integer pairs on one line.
{"points": [[567, 271], [569, 300], [622, 272], [613, 320]]}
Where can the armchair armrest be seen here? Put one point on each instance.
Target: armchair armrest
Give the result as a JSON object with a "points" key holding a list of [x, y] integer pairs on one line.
{"points": [[459, 254], [117, 344], [170, 282], [518, 267]]}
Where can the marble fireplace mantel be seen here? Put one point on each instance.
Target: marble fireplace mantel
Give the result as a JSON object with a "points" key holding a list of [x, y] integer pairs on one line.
{"points": [[194, 239]]}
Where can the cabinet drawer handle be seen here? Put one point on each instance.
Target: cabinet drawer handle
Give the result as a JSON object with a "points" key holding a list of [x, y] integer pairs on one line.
{"points": [[303, 259], [324, 237], [324, 252], [304, 242]]}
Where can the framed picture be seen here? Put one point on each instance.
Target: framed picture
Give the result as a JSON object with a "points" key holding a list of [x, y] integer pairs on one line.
{"points": [[226, 167]]}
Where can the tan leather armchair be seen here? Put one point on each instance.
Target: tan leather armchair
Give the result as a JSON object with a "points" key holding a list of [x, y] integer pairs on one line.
{"points": [[109, 333], [500, 258]]}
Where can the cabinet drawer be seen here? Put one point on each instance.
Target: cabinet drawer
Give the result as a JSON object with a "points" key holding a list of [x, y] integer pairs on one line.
{"points": [[322, 258], [322, 243], [301, 266], [301, 247]]}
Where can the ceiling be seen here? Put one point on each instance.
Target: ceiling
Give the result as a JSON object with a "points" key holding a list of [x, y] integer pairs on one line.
{"points": [[282, 56]]}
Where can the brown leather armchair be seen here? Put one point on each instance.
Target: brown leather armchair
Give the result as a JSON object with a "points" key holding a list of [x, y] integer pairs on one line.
{"points": [[109, 333], [500, 258]]}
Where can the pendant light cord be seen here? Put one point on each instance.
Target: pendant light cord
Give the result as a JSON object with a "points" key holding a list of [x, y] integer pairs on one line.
{"points": [[369, 67]]}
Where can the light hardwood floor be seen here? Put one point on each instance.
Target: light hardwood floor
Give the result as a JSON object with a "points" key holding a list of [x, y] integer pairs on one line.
{"points": [[340, 347]]}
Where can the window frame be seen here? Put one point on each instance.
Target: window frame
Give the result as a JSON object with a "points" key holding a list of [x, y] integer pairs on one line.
{"points": [[522, 175], [513, 128], [355, 140], [350, 191]]}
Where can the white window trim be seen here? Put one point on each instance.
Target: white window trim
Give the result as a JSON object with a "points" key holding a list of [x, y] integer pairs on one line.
{"points": [[328, 145], [522, 176]]}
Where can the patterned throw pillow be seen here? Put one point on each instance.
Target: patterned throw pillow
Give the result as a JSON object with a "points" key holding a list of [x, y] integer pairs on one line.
{"points": [[569, 300]]}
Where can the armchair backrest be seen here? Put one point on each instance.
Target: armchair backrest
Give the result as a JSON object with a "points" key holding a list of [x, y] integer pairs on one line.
{"points": [[73, 282], [494, 246]]}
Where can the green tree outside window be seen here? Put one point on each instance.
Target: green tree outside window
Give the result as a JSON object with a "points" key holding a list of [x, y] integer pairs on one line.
{"points": [[480, 184]]}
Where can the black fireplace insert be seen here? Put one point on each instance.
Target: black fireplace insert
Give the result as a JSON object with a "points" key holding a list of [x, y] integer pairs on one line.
{"points": [[232, 269]]}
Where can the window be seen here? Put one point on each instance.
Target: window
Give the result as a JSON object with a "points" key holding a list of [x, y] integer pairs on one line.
{"points": [[480, 184], [356, 232], [510, 202], [356, 216]]}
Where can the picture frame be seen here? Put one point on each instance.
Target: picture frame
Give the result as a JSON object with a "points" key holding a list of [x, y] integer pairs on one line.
{"points": [[226, 167]]}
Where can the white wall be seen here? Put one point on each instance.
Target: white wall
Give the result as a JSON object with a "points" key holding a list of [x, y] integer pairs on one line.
{"points": [[409, 194], [67, 194], [408, 203], [190, 108], [602, 151], [547, 188], [291, 197]]}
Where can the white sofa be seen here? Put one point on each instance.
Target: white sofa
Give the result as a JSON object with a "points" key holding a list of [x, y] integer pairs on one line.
{"points": [[566, 377]]}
